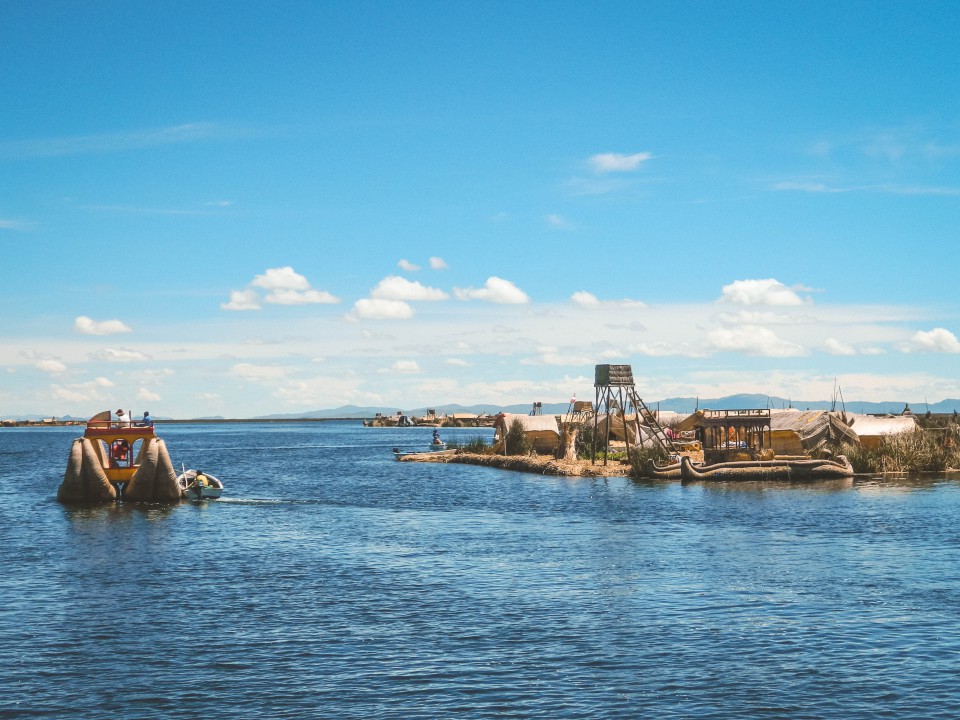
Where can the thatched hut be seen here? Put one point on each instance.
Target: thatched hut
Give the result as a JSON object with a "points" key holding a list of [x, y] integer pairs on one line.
{"points": [[802, 432], [540, 431], [872, 429]]}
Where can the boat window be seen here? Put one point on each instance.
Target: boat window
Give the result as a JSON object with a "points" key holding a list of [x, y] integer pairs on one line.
{"points": [[120, 453], [135, 452]]}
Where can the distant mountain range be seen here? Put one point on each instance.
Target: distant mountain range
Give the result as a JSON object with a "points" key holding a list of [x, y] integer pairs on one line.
{"points": [[679, 405]]}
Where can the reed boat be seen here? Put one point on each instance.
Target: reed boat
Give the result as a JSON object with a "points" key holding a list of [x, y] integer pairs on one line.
{"points": [[794, 470], [119, 458]]}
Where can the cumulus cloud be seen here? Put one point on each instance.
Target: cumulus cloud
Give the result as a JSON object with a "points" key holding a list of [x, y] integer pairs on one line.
{"points": [[119, 355], [407, 265], [938, 340], [284, 286], [407, 367], [837, 347], [616, 162], [759, 292], [87, 326], [585, 299], [289, 296], [457, 362], [281, 278], [147, 395], [753, 340], [53, 367], [242, 300], [395, 287], [496, 290], [438, 263], [380, 309], [86, 392]]}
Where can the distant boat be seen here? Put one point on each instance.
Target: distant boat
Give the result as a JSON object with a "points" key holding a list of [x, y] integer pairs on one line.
{"points": [[403, 455], [207, 487]]}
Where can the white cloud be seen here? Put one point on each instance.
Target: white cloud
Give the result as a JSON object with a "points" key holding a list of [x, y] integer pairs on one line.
{"points": [[585, 299], [395, 287], [257, 373], [457, 362], [147, 395], [559, 222], [119, 355], [747, 317], [284, 286], [380, 309], [496, 290], [617, 162], [407, 367], [836, 347], [759, 292], [288, 296], [87, 326], [938, 340], [53, 367], [86, 392], [667, 349], [753, 340], [281, 278], [407, 265], [550, 356], [438, 263], [242, 300]]}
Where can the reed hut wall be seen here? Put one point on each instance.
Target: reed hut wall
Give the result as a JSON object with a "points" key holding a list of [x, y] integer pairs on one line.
{"points": [[541, 431]]}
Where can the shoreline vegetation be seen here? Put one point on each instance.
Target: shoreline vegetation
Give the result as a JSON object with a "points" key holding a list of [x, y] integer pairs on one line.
{"points": [[934, 447]]}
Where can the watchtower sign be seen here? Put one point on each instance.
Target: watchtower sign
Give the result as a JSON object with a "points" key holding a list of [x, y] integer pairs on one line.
{"points": [[613, 375]]}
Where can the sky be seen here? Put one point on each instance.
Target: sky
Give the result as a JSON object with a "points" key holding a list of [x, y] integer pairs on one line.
{"points": [[240, 208]]}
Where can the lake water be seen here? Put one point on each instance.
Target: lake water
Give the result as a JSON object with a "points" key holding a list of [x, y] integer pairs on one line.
{"points": [[333, 582]]}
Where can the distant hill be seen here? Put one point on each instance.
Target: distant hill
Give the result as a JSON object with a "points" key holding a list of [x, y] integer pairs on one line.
{"points": [[680, 405]]}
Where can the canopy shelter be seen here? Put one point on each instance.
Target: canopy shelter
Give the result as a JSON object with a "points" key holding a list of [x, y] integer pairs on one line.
{"points": [[735, 434]]}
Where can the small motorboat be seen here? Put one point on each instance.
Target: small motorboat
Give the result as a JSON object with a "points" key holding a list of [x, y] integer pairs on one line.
{"points": [[198, 485]]}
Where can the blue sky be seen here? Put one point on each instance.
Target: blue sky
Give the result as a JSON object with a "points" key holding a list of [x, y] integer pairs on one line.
{"points": [[246, 208]]}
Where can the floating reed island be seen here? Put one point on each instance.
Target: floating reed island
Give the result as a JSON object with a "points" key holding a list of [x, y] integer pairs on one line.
{"points": [[618, 434]]}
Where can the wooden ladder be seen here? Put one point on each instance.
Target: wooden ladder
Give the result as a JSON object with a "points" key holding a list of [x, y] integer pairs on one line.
{"points": [[644, 414]]}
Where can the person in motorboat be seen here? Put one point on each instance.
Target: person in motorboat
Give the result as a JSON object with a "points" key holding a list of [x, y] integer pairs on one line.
{"points": [[436, 437]]}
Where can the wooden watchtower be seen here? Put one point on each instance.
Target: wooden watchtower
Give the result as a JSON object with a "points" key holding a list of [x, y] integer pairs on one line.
{"points": [[614, 391]]}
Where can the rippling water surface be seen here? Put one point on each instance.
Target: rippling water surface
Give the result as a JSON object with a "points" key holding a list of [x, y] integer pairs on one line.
{"points": [[333, 582]]}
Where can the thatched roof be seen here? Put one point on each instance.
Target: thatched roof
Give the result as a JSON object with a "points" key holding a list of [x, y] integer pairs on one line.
{"points": [[530, 423], [874, 425], [814, 427]]}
